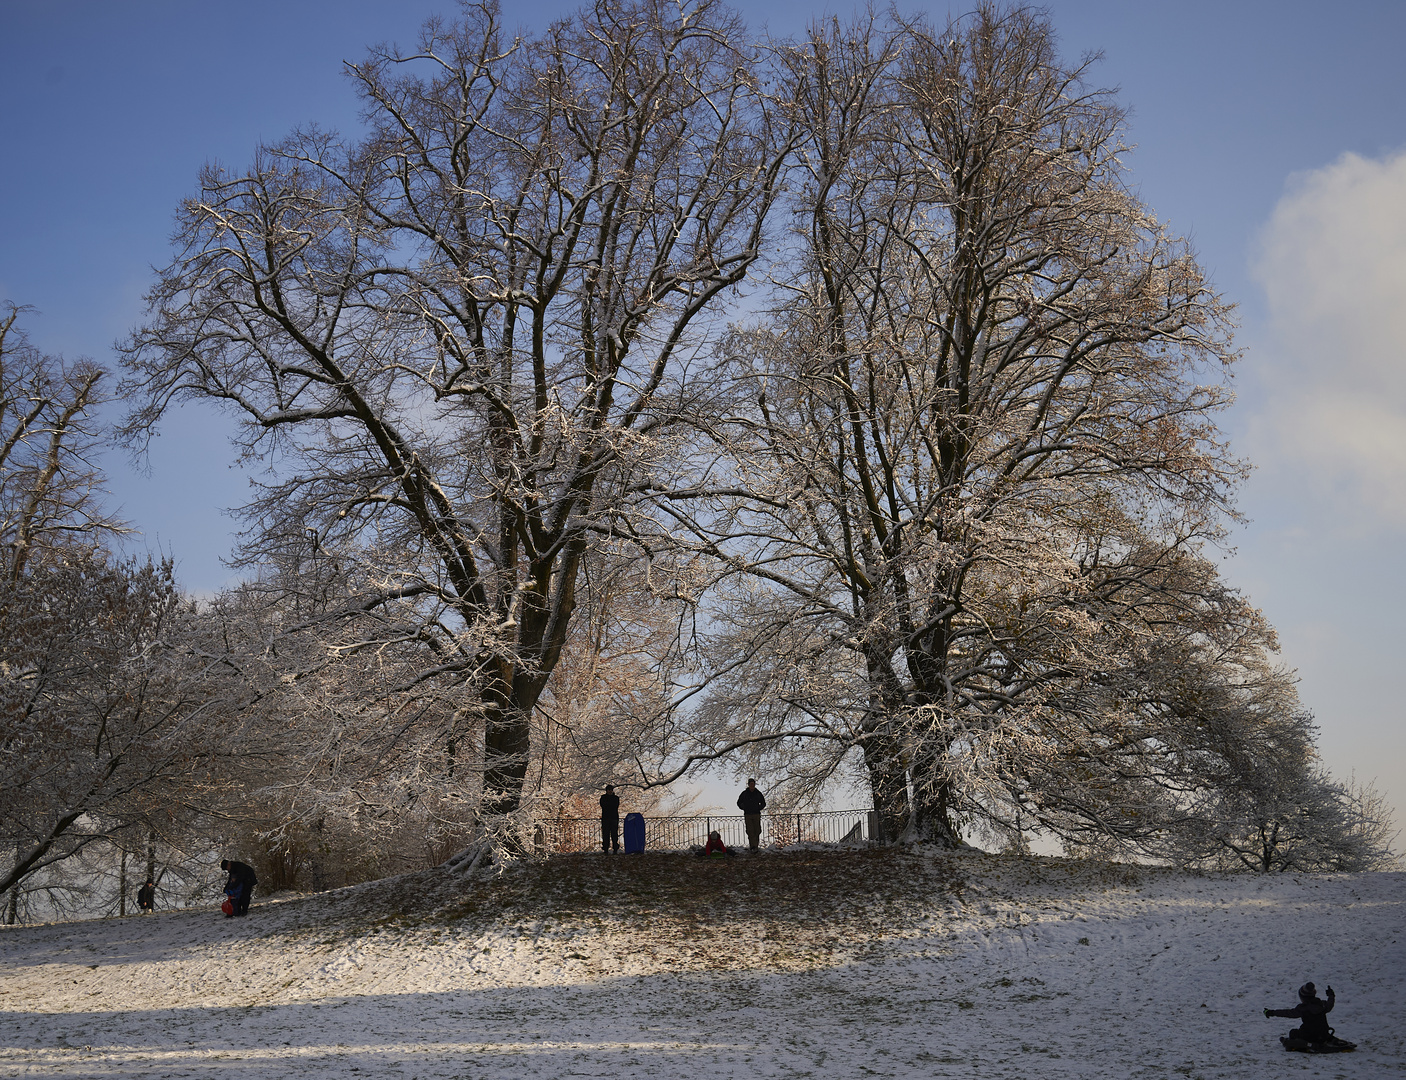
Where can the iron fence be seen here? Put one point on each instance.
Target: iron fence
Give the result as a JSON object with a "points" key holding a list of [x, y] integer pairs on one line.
{"points": [[565, 834]]}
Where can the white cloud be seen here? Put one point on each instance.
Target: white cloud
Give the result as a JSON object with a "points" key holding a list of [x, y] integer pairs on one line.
{"points": [[1332, 261]]}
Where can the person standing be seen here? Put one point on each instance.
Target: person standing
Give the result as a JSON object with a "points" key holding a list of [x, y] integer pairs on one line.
{"points": [[752, 802], [610, 821], [146, 897], [240, 886]]}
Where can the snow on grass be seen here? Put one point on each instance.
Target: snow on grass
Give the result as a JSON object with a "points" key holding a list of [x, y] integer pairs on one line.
{"points": [[894, 963]]}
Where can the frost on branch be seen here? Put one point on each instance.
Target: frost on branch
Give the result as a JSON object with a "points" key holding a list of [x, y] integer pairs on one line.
{"points": [[467, 339]]}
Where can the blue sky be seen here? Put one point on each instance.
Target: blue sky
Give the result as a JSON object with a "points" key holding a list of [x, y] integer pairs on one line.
{"points": [[1272, 134]]}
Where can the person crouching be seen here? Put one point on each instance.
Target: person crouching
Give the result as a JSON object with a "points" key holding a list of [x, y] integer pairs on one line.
{"points": [[240, 886]]}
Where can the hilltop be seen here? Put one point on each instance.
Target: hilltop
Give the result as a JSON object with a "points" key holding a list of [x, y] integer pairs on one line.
{"points": [[891, 962]]}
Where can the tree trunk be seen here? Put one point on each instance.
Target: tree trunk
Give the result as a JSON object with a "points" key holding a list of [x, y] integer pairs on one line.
{"points": [[507, 741], [888, 785], [12, 904], [122, 884], [932, 815], [150, 857]]}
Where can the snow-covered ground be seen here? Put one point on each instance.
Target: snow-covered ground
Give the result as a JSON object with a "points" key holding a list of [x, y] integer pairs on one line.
{"points": [[843, 964]]}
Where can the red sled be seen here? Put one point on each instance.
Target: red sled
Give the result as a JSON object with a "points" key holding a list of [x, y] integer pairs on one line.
{"points": [[228, 906]]}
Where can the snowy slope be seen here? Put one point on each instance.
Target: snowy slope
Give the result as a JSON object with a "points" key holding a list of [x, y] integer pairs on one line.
{"points": [[792, 964]]}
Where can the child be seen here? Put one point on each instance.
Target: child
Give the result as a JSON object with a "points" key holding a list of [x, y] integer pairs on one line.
{"points": [[715, 845], [1314, 1034]]}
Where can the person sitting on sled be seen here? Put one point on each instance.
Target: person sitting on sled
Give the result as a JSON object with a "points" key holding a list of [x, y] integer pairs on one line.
{"points": [[1313, 1011]]}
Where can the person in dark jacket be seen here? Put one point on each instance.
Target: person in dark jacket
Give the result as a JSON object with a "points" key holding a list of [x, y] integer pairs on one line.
{"points": [[752, 802], [1313, 1011], [610, 820], [146, 896], [240, 886]]}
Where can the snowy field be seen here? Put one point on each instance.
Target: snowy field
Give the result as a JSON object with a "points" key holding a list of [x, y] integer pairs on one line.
{"points": [[838, 964]]}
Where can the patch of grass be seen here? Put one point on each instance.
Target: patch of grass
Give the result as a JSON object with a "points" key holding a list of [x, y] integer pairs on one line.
{"points": [[774, 890]]}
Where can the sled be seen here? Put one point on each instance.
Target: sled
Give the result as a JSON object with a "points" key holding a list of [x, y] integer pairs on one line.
{"points": [[228, 906], [1332, 1045], [634, 833]]}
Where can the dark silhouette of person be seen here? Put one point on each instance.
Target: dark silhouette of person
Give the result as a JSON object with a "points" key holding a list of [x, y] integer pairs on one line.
{"points": [[240, 886], [146, 896], [752, 802], [610, 820], [1313, 1011]]}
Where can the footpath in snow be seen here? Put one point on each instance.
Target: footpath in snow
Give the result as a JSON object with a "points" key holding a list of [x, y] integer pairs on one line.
{"points": [[888, 963]]}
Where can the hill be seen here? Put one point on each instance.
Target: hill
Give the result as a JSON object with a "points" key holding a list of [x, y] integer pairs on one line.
{"points": [[892, 962]]}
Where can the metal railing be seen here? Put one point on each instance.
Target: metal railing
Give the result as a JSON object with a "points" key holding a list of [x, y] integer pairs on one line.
{"points": [[565, 834]]}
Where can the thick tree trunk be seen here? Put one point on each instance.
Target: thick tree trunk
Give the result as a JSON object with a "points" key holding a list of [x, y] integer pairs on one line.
{"points": [[932, 809], [888, 785], [506, 744]]}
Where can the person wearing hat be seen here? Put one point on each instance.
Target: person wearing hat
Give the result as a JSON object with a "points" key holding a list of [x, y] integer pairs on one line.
{"points": [[1313, 1011], [146, 897], [610, 821]]}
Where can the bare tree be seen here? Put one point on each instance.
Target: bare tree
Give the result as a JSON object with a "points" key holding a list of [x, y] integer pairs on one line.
{"points": [[49, 485], [978, 463], [1290, 814], [50, 514], [460, 337], [106, 702], [107, 722]]}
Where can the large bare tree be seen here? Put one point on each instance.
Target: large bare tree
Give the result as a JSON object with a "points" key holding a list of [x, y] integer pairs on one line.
{"points": [[459, 338], [979, 457]]}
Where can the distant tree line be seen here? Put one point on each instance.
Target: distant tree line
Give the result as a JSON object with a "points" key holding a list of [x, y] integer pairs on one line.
{"points": [[637, 396]]}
